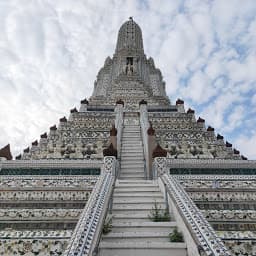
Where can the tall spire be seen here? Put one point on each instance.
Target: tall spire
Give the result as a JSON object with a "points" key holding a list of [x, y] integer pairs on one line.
{"points": [[129, 37]]}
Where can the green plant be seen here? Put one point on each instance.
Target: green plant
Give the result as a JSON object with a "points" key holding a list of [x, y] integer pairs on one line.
{"points": [[176, 236], [107, 226], [158, 215]]}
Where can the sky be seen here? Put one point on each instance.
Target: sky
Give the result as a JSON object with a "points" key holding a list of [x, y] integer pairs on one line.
{"points": [[51, 51]]}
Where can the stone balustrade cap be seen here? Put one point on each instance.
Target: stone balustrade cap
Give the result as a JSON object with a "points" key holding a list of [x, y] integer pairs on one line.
{"points": [[191, 111], [120, 102], [159, 152], [53, 128], [210, 129], [236, 152], [26, 150], [110, 151], [35, 143], [219, 137], [200, 120], [84, 101], [63, 119], [18, 157], [113, 131], [179, 102], [44, 136], [6, 152], [151, 130], [229, 145], [73, 110], [143, 102]]}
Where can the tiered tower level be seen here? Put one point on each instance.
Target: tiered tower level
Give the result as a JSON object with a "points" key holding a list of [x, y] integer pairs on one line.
{"points": [[125, 151], [132, 78]]}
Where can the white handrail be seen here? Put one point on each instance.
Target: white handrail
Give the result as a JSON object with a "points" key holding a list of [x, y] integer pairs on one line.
{"points": [[87, 231], [119, 126], [199, 227], [144, 123]]}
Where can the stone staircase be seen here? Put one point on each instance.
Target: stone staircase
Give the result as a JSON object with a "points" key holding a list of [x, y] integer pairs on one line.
{"points": [[133, 233], [132, 159]]}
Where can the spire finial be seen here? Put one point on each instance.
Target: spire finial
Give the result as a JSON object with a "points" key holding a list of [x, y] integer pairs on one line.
{"points": [[129, 37]]}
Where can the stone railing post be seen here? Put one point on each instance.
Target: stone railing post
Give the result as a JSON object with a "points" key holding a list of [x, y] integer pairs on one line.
{"points": [[159, 167], [83, 106], [151, 147], [110, 165], [113, 137], [119, 109], [144, 123]]}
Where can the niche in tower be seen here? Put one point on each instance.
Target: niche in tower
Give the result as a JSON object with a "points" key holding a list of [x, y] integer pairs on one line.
{"points": [[129, 66]]}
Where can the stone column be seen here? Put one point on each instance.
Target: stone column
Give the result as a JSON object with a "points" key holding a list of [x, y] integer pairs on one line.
{"points": [[84, 104], [180, 106], [113, 136], [151, 147], [119, 109], [144, 123]]}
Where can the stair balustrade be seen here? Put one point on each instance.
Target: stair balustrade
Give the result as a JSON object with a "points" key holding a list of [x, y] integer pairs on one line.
{"points": [[119, 126], [144, 127], [207, 241], [87, 233]]}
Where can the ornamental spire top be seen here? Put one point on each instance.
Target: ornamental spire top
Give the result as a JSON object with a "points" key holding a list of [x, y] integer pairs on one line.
{"points": [[129, 37]]}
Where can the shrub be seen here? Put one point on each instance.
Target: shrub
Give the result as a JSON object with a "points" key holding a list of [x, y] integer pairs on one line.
{"points": [[107, 226], [158, 215], [176, 236]]}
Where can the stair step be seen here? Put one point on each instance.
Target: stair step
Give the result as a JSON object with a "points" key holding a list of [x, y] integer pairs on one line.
{"points": [[140, 190], [134, 182], [124, 172], [137, 237], [132, 162], [166, 227], [131, 165], [136, 217], [142, 248], [136, 185], [131, 139], [143, 194], [131, 168], [132, 178], [137, 200], [127, 135], [131, 149], [135, 206], [131, 217], [132, 127], [132, 153], [132, 158], [132, 175]]}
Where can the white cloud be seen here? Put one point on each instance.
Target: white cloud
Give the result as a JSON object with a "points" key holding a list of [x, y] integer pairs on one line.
{"points": [[235, 119], [199, 88], [51, 52], [246, 144]]}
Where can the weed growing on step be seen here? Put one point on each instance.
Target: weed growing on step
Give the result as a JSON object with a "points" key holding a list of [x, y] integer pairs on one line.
{"points": [[158, 215], [107, 226], [176, 236]]}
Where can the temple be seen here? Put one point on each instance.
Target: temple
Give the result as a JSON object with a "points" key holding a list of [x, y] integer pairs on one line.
{"points": [[128, 173]]}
